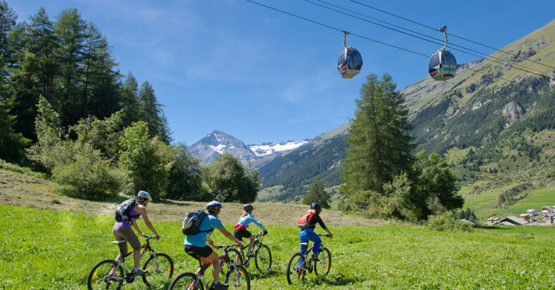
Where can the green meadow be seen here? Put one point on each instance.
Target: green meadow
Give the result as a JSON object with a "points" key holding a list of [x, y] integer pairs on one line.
{"points": [[49, 249]]}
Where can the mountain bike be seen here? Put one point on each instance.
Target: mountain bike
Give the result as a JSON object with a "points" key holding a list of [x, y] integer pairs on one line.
{"points": [[299, 264], [262, 255], [110, 274], [236, 276]]}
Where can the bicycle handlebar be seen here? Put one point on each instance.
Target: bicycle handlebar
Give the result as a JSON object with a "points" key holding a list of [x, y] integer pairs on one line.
{"points": [[147, 237], [259, 235], [225, 247]]}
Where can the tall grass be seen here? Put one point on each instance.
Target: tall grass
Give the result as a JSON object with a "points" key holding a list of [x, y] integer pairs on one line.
{"points": [[56, 250]]}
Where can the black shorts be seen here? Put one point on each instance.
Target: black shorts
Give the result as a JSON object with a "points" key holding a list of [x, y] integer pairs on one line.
{"points": [[240, 234], [197, 252]]}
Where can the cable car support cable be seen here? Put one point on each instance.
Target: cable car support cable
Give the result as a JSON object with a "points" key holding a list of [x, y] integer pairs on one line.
{"points": [[453, 35], [454, 46], [354, 34]]}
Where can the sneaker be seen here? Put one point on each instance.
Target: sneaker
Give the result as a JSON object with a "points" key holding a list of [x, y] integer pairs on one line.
{"points": [[315, 258], [251, 254], [138, 271], [219, 286]]}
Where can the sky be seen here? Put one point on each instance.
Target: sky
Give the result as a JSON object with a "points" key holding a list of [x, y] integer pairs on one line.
{"points": [[264, 76]]}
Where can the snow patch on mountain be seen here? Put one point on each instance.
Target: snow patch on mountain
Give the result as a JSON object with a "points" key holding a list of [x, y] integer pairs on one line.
{"points": [[267, 149]]}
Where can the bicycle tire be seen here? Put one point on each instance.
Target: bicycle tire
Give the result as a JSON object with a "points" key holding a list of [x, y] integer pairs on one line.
{"points": [[323, 263], [187, 280], [263, 259], [163, 273], [294, 272], [237, 277], [232, 256], [103, 281]]}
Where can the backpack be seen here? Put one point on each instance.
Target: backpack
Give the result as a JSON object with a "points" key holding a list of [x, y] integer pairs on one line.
{"points": [[191, 223], [304, 222], [123, 210]]}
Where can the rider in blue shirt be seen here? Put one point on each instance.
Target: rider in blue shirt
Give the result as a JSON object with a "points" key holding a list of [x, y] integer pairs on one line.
{"points": [[240, 229], [196, 247]]}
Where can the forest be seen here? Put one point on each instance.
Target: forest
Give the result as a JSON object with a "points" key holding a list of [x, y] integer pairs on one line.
{"points": [[66, 110]]}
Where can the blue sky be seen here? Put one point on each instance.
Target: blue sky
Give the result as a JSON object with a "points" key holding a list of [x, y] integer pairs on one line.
{"points": [[263, 76]]}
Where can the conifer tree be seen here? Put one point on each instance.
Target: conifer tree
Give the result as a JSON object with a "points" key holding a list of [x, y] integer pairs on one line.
{"points": [[151, 112], [380, 146], [317, 193]]}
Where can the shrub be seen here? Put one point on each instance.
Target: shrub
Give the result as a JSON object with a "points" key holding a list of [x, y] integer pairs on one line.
{"points": [[447, 221], [146, 160], [88, 175]]}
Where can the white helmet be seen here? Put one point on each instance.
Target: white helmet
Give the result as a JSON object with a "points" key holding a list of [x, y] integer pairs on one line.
{"points": [[213, 206], [144, 195]]}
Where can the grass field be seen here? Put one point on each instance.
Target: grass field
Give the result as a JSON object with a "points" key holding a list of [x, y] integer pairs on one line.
{"points": [[53, 249]]}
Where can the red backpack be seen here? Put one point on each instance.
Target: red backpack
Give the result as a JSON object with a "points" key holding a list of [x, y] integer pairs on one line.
{"points": [[304, 222]]}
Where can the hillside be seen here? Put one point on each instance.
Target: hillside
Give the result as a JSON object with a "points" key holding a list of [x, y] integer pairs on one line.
{"points": [[493, 122]]}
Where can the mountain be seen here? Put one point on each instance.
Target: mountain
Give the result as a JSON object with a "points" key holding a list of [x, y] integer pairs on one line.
{"points": [[286, 177], [493, 122], [216, 143]]}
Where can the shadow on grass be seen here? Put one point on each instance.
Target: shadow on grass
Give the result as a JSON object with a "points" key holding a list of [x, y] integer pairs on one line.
{"points": [[492, 227], [255, 274], [335, 280], [171, 202]]}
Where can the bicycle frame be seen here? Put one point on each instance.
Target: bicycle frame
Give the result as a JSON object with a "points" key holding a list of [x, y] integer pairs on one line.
{"points": [[307, 262], [257, 244], [121, 258]]}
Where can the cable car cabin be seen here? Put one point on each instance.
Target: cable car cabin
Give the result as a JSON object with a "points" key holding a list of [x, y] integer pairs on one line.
{"points": [[349, 63], [442, 66]]}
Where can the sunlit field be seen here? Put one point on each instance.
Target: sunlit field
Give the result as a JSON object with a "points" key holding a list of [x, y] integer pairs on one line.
{"points": [[55, 249]]}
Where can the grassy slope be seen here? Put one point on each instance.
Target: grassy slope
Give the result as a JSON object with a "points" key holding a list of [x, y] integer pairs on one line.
{"points": [[56, 249]]}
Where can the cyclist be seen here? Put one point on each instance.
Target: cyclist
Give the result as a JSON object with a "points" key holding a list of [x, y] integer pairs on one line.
{"points": [[240, 229], [307, 232], [196, 247], [122, 229]]}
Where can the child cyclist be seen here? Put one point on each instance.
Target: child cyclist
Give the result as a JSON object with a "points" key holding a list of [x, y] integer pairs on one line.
{"points": [[195, 245], [307, 231], [241, 231]]}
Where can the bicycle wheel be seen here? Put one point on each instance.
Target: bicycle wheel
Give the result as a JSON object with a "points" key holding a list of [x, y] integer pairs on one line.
{"points": [[188, 281], [160, 269], [107, 274], [323, 265], [296, 269], [235, 256], [237, 277], [263, 259]]}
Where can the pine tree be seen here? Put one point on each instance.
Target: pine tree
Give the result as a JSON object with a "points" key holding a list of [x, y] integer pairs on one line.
{"points": [[34, 74], [151, 112], [380, 147], [130, 100], [71, 34], [317, 193], [100, 79]]}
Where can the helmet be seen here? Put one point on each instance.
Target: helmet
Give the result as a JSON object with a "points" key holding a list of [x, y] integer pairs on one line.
{"points": [[248, 207], [213, 206], [144, 195], [316, 206]]}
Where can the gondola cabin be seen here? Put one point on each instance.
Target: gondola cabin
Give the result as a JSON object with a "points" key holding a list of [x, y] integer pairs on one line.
{"points": [[442, 65], [349, 62]]}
